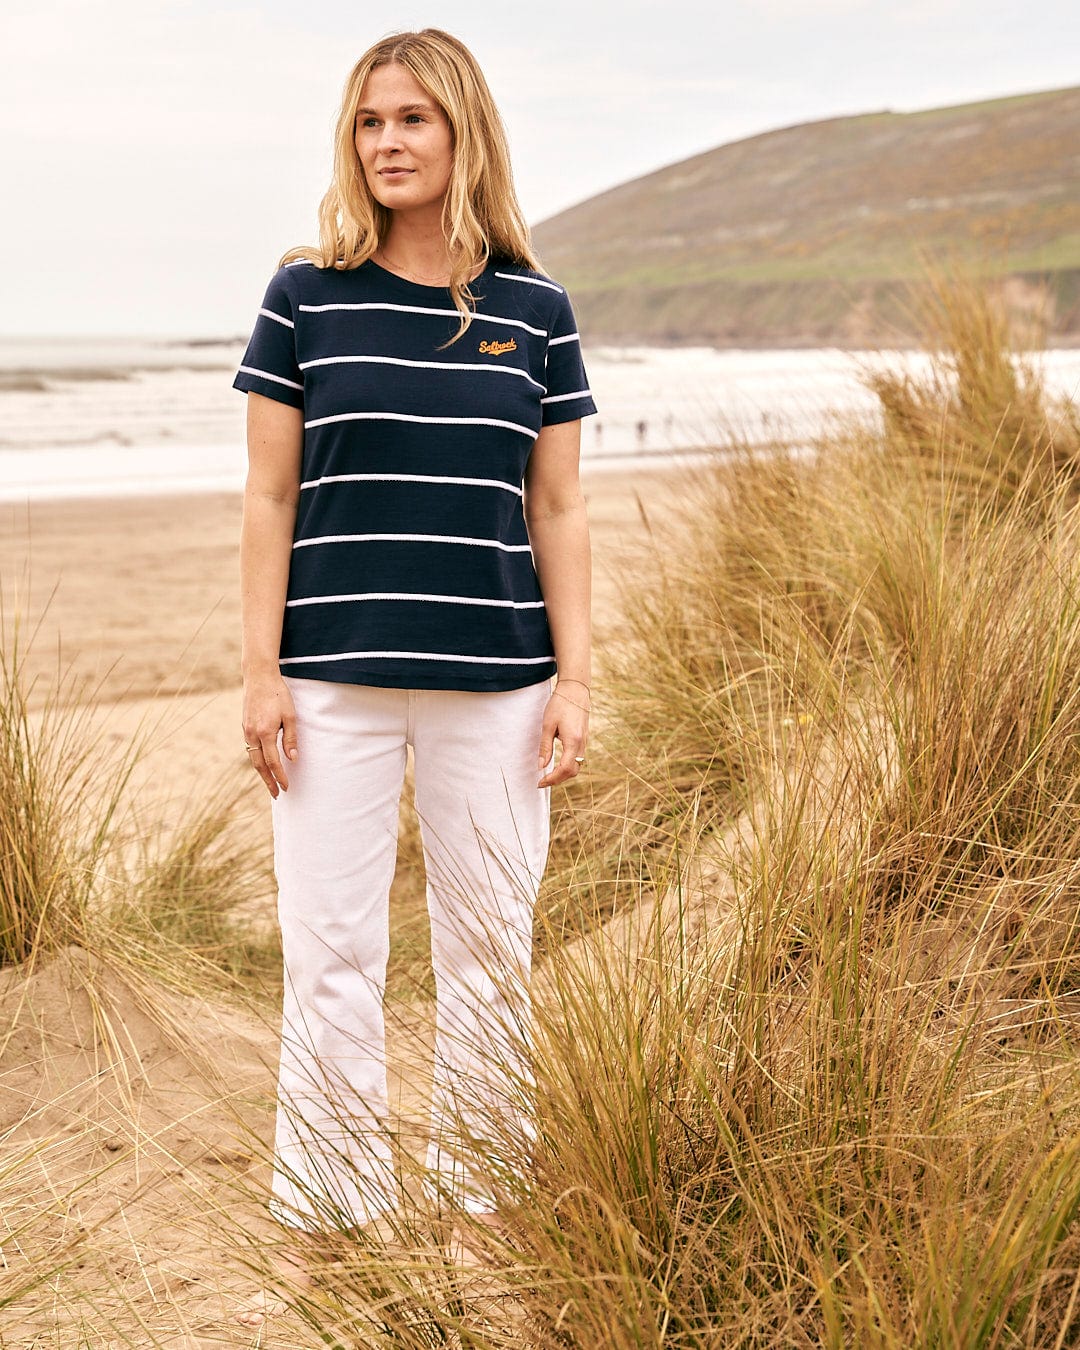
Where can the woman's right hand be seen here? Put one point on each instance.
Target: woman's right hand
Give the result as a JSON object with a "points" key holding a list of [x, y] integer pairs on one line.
{"points": [[268, 708]]}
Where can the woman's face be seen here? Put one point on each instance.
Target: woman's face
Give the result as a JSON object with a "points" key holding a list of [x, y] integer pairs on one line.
{"points": [[404, 141]]}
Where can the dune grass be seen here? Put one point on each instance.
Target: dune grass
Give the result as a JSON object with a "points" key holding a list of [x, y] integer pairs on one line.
{"points": [[189, 901], [58, 808], [826, 1091]]}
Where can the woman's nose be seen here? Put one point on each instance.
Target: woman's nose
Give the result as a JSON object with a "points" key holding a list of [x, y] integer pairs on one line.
{"points": [[389, 138]]}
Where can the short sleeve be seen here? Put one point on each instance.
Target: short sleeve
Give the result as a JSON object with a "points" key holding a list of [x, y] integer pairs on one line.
{"points": [[568, 395], [269, 364]]}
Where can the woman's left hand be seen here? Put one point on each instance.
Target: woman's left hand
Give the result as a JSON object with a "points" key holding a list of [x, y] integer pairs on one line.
{"points": [[566, 718]]}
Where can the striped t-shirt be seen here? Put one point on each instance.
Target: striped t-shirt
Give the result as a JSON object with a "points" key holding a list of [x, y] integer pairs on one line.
{"points": [[411, 565]]}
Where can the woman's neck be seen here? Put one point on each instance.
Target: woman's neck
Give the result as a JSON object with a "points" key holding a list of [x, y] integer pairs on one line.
{"points": [[419, 250]]}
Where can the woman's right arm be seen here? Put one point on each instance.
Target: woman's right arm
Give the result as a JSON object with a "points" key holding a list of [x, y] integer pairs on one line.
{"points": [[275, 436]]}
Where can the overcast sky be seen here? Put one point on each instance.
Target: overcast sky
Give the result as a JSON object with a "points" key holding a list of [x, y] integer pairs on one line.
{"points": [[157, 157]]}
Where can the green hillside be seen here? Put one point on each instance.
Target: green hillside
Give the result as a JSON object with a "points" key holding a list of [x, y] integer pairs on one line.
{"points": [[805, 235]]}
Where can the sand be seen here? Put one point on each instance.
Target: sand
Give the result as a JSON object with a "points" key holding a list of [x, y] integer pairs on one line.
{"points": [[132, 604], [136, 1121], [138, 598]]}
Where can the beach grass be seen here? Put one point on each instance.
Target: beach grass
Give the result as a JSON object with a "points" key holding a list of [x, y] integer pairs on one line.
{"points": [[807, 1002], [58, 806]]}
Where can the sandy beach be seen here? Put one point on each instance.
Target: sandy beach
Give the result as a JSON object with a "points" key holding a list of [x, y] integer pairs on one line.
{"points": [[137, 599]]}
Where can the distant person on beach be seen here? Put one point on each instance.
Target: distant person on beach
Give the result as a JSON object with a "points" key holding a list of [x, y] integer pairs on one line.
{"points": [[415, 570]]}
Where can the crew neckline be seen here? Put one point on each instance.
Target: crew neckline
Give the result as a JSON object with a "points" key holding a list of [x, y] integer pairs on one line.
{"points": [[406, 284]]}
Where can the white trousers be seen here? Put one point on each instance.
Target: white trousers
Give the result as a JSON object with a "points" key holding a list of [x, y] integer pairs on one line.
{"points": [[485, 830]]}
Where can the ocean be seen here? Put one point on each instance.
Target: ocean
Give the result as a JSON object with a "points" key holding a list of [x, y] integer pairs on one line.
{"points": [[99, 417]]}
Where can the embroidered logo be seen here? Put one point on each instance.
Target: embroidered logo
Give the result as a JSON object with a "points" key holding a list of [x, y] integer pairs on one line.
{"points": [[498, 348]]}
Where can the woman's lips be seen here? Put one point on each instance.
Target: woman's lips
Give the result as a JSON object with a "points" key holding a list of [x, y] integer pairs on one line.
{"points": [[394, 173]]}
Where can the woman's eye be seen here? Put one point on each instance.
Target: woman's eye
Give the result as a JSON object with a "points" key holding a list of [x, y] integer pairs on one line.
{"points": [[373, 121]]}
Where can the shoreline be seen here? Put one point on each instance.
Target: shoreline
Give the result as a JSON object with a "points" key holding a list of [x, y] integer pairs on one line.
{"points": [[14, 496], [174, 435]]}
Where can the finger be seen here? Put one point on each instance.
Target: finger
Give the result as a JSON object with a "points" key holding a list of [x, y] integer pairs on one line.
{"points": [[289, 741], [567, 767], [258, 763], [274, 764], [547, 742]]}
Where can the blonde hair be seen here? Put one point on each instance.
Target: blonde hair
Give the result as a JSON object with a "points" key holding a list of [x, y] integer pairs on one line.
{"points": [[481, 216]]}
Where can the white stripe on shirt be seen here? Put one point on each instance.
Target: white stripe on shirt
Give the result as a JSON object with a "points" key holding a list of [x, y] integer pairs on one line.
{"points": [[265, 375], [269, 314], [410, 478], [563, 398], [410, 595], [413, 538], [422, 309], [532, 281], [414, 417], [421, 656], [419, 365], [554, 342]]}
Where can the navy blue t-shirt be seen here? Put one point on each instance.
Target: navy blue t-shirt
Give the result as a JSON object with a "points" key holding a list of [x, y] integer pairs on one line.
{"points": [[411, 565]]}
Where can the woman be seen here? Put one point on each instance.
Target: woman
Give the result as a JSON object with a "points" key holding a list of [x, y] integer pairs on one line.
{"points": [[415, 569]]}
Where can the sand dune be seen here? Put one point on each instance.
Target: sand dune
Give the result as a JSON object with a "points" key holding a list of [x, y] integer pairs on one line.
{"points": [[136, 1120]]}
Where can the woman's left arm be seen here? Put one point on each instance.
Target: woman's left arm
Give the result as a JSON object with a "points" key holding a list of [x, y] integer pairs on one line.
{"points": [[558, 525]]}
